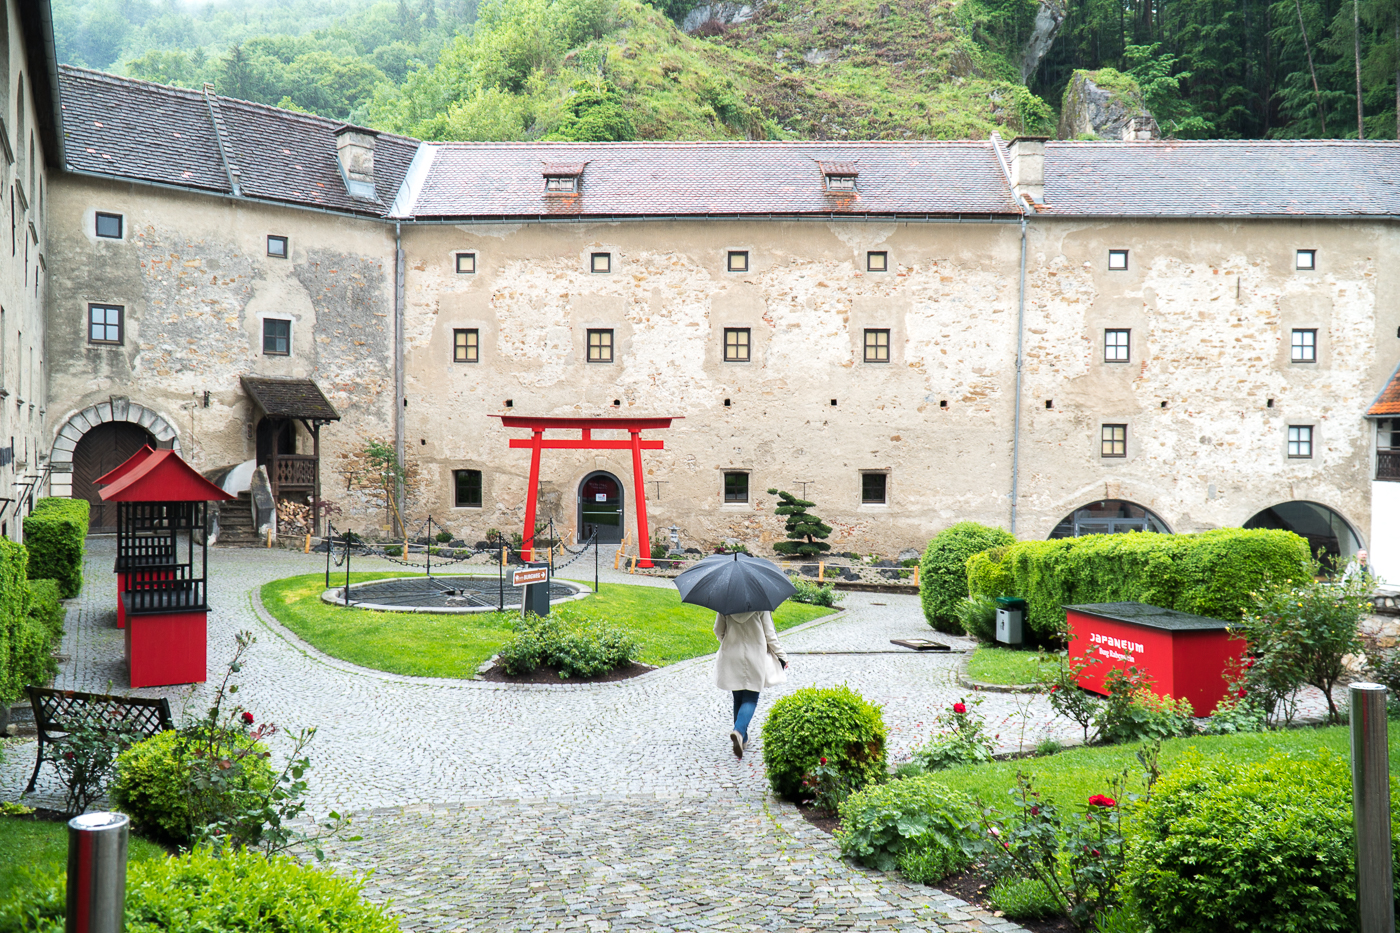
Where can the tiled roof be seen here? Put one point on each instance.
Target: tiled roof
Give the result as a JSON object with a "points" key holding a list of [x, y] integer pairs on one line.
{"points": [[290, 398], [149, 132], [785, 178], [1388, 402], [1236, 178]]}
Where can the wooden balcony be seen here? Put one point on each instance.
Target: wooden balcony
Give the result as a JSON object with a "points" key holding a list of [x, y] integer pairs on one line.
{"points": [[292, 472], [1388, 464]]}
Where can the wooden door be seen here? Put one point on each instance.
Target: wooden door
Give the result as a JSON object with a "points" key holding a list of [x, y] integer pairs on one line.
{"points": [[104, 448]]}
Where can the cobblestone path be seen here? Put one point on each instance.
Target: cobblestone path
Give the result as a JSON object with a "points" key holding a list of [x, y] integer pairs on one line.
{"points": [[595, 807]]}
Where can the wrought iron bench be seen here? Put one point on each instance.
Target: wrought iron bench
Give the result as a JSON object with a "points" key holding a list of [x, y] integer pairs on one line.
{"points": [[65, 711]]}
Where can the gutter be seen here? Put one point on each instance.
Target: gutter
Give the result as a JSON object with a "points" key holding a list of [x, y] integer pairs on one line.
{"points": [[400, 400], [1020, 346]]}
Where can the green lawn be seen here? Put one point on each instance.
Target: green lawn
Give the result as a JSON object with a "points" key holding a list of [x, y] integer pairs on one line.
{"points": [[992, 665], [28, 844], [425, 645], [1072, 776]]}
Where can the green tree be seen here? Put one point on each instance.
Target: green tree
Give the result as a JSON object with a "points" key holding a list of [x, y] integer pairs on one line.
{"points": [[594, 114], [802, 529]]}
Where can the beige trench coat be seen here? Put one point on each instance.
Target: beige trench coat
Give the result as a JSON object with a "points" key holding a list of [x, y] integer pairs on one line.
{"points": [[748, 652]]}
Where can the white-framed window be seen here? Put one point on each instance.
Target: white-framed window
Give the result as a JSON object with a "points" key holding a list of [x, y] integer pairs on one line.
{"points": [[1118, 260], [109, 226], [277, 247], [1300, 441], [1304, 345], [560, 184], [466, 263], [1117, 345], [600, 263], [1306, 260]]}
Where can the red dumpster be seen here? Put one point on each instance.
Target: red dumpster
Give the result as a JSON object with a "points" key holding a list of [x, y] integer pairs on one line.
{"points": [[1186, 655]]}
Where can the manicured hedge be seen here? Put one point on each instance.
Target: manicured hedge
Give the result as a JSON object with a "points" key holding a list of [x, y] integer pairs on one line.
{"points": [[1210, 574], [31, 623], [943, 570], [814, 723], [55, 533], [14, 613]]}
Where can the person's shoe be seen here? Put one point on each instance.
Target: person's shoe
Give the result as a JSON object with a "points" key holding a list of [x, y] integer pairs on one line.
{"points": [[738, 742]]}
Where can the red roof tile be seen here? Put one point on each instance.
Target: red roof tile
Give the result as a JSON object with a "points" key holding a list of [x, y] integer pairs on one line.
{"points": [[1388, 402]]}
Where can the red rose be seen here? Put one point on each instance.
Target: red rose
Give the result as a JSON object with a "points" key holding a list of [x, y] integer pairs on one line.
{"points": [[1096, 853], [1054, 687], [67, 756], [823, 761], [1035, 811], [1099, 800], [960, 708], [248, 717]]}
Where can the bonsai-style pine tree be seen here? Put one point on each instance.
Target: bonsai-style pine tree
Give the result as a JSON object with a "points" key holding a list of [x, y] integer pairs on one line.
{"points": [[803, 529]]}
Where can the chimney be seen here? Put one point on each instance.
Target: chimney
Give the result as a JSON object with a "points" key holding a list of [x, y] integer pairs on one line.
{"points": [[1028, 167], [354, 149]]}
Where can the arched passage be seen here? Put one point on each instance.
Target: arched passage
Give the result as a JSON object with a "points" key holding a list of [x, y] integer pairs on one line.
{"points": [[100, 450], [600, 503], [152, 428], [1107, 517], [1330, 537]]}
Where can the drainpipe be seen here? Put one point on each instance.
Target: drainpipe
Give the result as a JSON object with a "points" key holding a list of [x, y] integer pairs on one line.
{"points": [[1020, 344], [400, 402]]}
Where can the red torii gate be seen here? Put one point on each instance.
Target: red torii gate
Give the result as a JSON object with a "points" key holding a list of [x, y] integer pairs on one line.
{"points": [[587, 425]]}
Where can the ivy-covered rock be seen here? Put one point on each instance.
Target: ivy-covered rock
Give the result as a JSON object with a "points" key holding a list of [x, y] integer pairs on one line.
{"points": [[1106, 104]]}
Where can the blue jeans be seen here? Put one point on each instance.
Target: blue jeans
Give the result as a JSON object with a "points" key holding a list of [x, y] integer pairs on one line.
{"points": [[745, 702]]}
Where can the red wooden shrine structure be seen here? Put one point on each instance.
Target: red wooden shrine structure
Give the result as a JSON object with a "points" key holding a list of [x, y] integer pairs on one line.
{"points": [[586, 426], [162, 592]]}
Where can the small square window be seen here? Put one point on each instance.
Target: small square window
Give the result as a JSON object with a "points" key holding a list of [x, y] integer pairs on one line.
{"points": [[109, 226], [738, 260], [873, 488], [1116, 346], [736, 487], [1304, 349], [277, 247], [277, 337], [1300, 442], [877, 346], [467, 489], [736, 344], [561, 184], [1117, 260], [600, 263], [466, 263], [466, 346], [877, 262], [1307, 259], [840, 182], [105, 323], [1113, 440], [600, 346]]}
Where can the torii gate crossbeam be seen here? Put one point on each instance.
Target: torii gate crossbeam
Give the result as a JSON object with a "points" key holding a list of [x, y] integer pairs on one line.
{"points": [[586, 426]]}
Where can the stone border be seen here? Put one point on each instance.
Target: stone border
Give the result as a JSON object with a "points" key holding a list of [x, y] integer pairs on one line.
{"points": [[579, 592], [971, 684], [311, 652]]}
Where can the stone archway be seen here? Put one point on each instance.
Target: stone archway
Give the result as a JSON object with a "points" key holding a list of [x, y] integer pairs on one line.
{"points": [[117, 408]]}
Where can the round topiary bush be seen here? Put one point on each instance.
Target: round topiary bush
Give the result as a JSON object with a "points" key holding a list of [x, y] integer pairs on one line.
{"points": [[811, 724], [917, 823], [1264, 846], [153, 787], [196, 892], [943, 570]]}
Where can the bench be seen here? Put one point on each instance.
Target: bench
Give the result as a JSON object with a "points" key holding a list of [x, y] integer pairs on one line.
{"points": [[65, 711]]}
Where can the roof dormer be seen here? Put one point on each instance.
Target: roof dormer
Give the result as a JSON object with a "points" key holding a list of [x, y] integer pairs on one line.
{"points": [[563, 177], [839, 177]]}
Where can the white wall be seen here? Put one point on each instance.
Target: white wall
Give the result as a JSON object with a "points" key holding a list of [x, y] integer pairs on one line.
{"points": [[1385, 531]]}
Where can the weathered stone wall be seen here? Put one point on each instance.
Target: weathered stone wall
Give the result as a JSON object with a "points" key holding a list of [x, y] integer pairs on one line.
{"points": [[24, 280], [195, 279]]}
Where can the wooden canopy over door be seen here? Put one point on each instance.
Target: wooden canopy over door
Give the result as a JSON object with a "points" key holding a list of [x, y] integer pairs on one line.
{"points": [[100, 450]]}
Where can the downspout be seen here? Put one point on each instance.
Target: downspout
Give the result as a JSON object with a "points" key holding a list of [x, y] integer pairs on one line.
{"points": [[400, 401], [1020, 345]]}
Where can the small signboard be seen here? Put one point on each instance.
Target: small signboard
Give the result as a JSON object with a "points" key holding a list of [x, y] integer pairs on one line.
{"points": [[600, 497], [529, 575]]}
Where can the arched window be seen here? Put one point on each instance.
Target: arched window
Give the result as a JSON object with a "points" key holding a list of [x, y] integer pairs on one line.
{"points": [[1330, 536], [1108, 517]]}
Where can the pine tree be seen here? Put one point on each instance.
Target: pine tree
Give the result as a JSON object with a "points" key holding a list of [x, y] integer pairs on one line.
{"points": [[803, 529]]}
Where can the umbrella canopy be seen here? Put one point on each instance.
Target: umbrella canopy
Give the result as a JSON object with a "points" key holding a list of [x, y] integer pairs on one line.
{"points": [[730, 583]]}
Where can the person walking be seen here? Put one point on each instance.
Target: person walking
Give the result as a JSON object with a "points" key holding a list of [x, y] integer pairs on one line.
{"points": [[750, 659]]}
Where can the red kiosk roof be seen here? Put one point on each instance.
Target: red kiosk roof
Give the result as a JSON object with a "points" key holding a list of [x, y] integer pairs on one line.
{"points": [[597, 422], [160, 476], [131, 463]]}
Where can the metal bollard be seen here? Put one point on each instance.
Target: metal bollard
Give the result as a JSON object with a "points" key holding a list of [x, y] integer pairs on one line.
{"points": [[97, 873], [1370, 807]]}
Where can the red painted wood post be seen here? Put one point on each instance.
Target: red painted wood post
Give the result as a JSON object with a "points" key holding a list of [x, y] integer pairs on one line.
{"points": [[639, 481], [527, 542]]}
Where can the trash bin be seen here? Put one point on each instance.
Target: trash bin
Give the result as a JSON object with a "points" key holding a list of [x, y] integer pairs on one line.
{"points": [[1011, 617]]}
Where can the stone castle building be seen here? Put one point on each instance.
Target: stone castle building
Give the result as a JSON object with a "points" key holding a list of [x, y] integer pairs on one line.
{"points": [[1053, 337]]}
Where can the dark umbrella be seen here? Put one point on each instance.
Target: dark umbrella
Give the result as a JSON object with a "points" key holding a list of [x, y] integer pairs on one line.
{"points": [[730, 583]]}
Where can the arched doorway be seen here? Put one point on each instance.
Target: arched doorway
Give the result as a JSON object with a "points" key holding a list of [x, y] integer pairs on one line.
{"points": [[1330, 536], [1109, 517], [101, 449], [600, 508]]}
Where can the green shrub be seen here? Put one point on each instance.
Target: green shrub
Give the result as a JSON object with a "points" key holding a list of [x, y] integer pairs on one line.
{"points": [[576, 646], [1134, 713], [811, 724], [917, 819], [1237, 848], [1024, 899], [46, 607], [1211, 574], [943, 570], [814, 593], [196, 893], [978, 617], [14, 614], [153, 786], [55, 534]]}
